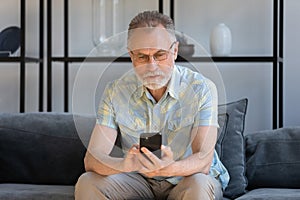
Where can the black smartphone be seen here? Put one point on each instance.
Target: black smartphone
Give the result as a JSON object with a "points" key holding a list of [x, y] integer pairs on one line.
{"points": [[152, 141]]}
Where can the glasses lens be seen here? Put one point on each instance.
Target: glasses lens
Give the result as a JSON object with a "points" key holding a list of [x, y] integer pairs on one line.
{"points": [[142, 58], [160, 56]]}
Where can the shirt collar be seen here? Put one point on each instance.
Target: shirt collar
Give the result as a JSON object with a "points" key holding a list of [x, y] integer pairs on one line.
{"points": [[173, 87]]}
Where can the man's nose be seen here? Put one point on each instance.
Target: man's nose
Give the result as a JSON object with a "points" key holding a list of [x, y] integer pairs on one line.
{"points": [[152, 64]]}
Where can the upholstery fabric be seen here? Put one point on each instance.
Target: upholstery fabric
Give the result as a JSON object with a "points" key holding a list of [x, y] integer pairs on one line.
{"points": [[273, 158], [224, 198], [271, 194], [41, 148], [230, 145], [52, 142], [36, 192]]}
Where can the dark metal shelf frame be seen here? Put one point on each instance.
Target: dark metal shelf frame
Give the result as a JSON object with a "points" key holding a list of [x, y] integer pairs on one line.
{"points": [[276, 59], [22, 59], [179, 59]]}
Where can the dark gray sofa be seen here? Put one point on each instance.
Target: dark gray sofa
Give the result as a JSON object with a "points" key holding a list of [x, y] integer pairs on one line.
{"points": [[41, 156]]}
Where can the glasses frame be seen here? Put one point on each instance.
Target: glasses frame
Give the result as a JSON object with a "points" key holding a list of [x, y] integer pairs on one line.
{"points": [[153, 56]]}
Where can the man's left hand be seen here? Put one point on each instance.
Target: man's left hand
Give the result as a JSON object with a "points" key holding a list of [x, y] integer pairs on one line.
{"points": [[152, 165]]}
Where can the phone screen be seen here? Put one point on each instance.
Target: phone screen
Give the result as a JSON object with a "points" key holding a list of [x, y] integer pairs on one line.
{"points": [[152, 141]]}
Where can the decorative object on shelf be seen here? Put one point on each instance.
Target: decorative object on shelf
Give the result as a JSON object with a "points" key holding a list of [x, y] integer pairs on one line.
{"points": [[9, 41], [184, 49], [220, 40], [103, 11]]}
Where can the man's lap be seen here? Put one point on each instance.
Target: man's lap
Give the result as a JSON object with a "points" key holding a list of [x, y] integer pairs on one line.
{"points": [[135, 186]]}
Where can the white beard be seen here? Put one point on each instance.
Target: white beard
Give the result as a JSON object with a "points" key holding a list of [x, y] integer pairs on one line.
{"points": [[155, 83]]}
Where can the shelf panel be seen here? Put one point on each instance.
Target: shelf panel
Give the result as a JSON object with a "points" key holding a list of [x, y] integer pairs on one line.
{"points": [[179, 59], [230, 59], [91, 59], [20, 59]]}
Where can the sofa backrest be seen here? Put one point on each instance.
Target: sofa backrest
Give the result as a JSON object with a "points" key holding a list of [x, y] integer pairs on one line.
{"points": [[42, 148], [48, 148]]}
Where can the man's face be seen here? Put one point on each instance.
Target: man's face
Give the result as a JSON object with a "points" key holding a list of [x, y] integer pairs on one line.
{"points": [[153, 52]]}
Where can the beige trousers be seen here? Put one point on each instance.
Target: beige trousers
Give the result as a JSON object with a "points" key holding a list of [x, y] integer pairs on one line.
{"points": [[133, 186]]}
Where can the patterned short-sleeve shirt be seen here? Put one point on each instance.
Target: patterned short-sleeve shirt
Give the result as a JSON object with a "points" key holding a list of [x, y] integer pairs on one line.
{"points": [[189, 101]]}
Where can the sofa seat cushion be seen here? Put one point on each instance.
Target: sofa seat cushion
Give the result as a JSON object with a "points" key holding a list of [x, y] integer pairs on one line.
{"points": [[273, 158], [271, 194], [36, 192]]}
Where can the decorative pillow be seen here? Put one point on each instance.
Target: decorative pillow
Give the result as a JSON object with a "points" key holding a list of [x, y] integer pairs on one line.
{"points": [[272, 158], [41, 148], [230, 145]]}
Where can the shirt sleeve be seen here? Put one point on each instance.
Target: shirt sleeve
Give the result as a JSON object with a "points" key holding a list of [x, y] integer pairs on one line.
{"points": [[208, 105], [106, 114]]}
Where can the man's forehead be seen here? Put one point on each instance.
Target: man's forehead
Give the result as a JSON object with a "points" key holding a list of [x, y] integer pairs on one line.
{"points": [[150, 37]]}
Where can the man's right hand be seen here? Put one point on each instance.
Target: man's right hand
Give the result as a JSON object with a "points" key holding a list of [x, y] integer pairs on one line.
{"points": [[131, 162]]}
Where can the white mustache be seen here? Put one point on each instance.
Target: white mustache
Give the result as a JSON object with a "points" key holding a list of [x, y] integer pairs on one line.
{"points": [[157, 73]]}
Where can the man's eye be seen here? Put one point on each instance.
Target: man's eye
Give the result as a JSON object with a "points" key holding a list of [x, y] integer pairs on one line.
{"points": [[160, 54], [141, 56]]}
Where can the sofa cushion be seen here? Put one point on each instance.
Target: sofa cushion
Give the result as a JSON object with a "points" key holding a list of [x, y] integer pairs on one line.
{"points": [[271, 194], [230, 145], [36, 192], [41, 148], [273, 158]]}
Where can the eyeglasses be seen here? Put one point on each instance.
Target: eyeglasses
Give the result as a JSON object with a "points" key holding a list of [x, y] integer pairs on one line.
{"points": [[158, 56]]}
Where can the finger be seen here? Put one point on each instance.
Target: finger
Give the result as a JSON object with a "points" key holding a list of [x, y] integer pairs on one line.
{"points": [[151, 156], [145, 161], [154, 160], [144, 171], [134, 148], [132, 151], [167, 151]]}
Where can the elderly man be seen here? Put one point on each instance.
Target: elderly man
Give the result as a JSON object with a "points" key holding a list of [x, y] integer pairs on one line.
{"points": [[158, 97]]}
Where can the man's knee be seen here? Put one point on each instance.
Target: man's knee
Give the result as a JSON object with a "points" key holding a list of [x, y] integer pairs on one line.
{"points": [[86, 186], [198, 186], [206, 185], [199, 180], [85, 180]]}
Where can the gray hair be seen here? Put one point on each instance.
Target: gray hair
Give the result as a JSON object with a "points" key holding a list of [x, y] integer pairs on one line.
{"points": [[151, 19]]}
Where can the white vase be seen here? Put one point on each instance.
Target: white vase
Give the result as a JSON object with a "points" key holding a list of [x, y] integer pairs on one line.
{"points": [[220, 40]]}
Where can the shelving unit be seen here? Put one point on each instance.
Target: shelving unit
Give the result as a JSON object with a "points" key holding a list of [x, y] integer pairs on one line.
{"points": [[23, 59], [276, 59]]}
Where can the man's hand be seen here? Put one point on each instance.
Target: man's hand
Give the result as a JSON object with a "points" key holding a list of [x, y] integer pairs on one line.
{"points": [[131, 162], [152, 165]]}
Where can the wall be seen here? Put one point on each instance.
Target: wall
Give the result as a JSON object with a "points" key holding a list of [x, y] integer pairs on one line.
{"points": [[249, 21], [9, 72], [292, 64]]}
